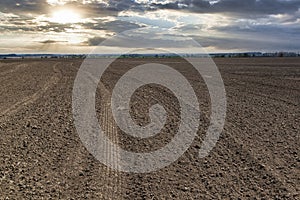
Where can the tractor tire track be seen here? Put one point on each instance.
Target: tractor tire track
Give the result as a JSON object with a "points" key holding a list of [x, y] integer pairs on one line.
{"points": [[3, 75], [30, 99], [105, 117]]}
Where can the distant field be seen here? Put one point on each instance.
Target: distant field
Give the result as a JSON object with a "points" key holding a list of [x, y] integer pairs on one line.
{"points": [[41, 155]]}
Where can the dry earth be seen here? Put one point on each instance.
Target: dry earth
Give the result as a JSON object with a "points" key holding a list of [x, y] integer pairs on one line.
{"points": [[257, 156]]}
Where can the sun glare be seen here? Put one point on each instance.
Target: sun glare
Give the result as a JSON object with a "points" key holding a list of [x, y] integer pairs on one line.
{"points": [[65, 16]]}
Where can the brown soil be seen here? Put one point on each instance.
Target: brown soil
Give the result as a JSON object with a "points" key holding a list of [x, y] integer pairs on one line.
{"points": [[257, 156]]}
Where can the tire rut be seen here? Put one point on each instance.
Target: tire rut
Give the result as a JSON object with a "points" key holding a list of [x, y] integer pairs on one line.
{"points": [[14, 69], [30, 99], [112, 132], [251, 156]]}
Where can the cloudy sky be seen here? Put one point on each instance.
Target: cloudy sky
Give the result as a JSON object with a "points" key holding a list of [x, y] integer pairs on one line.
{"points": [[77, 26]]}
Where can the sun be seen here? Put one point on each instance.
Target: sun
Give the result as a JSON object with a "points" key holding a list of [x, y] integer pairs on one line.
{"points": [[65, 16]]}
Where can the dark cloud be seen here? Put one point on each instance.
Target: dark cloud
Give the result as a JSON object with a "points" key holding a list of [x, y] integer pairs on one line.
{"points": [[51, 41], [258, 7], [95, 41], [262, 43], [116, 26], [148, 38], [23, 6], [192, 5], [113, 7], [256, 37], [190, 27], [241, 7], [279, 30], [28, 25]]}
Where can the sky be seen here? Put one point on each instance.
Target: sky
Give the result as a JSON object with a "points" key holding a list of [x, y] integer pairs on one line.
{"points": [[78, 26]]}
